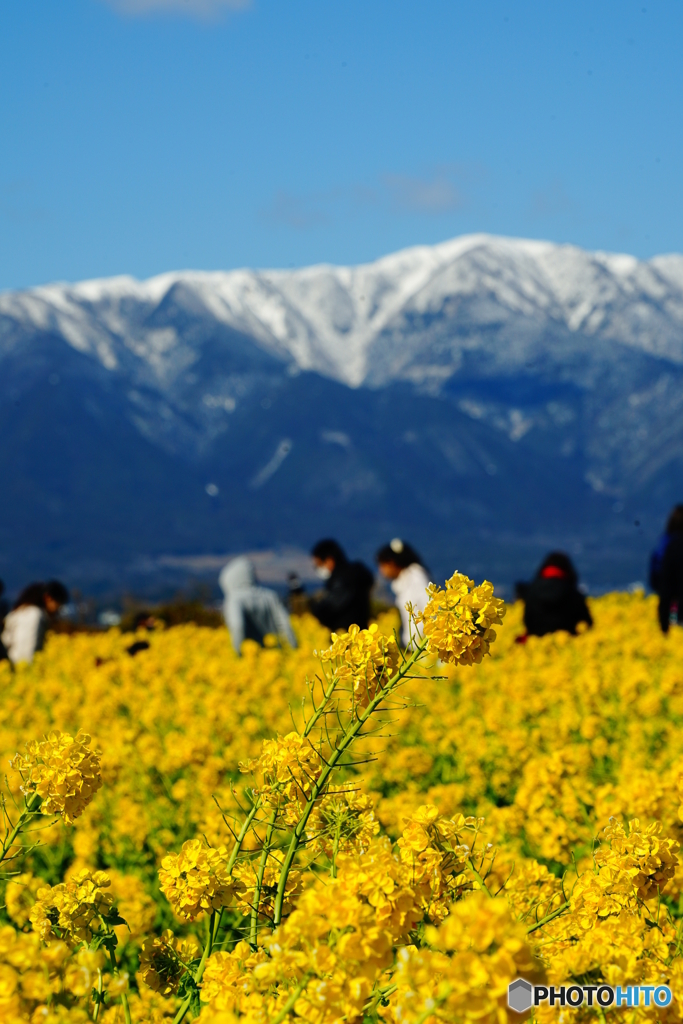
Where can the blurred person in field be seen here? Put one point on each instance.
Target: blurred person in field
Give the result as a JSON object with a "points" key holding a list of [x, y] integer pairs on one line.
{"points": [[26, 625], [345, 600], [400, 563], [143, 620], [666, 570], [297, 600], [552, 600], [251, 612]]}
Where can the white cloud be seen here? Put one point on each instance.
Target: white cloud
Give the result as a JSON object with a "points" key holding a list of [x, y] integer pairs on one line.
{"points": [[202, 9], [434, 193], [423, 195]]}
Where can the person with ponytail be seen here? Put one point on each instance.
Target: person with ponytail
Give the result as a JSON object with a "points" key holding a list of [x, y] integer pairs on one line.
{"points": [[400, 563]]}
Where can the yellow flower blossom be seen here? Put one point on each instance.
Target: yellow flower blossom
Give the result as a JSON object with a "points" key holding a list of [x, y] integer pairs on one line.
{"points": [[20, 896], [343, 820], [286, 771], [223, 984], [649, 858], [245, 875], [457, 619], [73, 910], [195, 881], [484, 949], [363, 660], [438, 852], [63, 771], [164, 960]]}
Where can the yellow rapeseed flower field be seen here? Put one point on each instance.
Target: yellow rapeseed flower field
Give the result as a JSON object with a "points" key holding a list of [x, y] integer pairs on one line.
{"points": [[344, 832]]}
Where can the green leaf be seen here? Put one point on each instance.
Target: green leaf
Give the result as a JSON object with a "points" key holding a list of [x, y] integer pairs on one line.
{"points": [[113, 918], [188, 987]]}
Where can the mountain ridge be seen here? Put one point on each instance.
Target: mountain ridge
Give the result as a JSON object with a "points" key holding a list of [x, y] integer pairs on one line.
{"points": [[488, 359], [230, 296]]}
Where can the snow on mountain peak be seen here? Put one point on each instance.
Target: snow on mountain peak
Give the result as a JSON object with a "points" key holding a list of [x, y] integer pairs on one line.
{"points": [[335, 319]]}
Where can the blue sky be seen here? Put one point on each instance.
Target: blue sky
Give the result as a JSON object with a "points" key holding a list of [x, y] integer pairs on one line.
{"points": [[139, 136]]}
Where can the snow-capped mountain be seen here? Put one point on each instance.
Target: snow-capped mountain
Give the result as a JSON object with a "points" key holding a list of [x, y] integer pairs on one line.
{"points": [[366, 324], [503, 365]]}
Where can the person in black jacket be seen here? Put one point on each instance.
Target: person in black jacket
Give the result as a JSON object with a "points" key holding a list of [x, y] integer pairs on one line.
{"points": [[553, 601], [667, 575], [346, 599]]}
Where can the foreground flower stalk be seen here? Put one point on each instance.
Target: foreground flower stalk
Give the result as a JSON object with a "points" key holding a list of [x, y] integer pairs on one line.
{"points": [[60, 775], [343, 743], [28, 812], [294, 773]]}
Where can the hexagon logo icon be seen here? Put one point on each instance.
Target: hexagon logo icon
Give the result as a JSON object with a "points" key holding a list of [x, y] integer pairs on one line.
{"points": [[520, 995]]}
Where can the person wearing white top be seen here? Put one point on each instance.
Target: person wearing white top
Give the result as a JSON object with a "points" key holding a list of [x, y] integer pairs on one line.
{"points": [[400, 563], [26, 625], [24, 632]]}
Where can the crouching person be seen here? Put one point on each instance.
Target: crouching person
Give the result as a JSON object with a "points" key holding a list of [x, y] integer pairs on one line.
{"points": [[251, 612], [552, 600]]}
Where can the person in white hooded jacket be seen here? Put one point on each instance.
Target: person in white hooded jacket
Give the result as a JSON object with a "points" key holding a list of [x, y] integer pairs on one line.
{"points": [[400, 563], [250, 611]]}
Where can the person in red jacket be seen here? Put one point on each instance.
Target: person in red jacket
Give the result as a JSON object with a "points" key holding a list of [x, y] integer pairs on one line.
{"points": [[552, 600]]}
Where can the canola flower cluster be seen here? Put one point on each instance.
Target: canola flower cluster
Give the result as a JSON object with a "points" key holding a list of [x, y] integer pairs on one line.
{"points": [[62, 770], [345, 832]]}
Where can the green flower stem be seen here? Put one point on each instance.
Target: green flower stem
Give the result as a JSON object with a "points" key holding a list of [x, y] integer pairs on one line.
{"points": [[182, 1011], [124, 997], [289, 1005], [30, 808], [208, 946], [242, 835], [265, 853], [377, 997], [198, 974], [482, 884], [548, 917], [335, 850], [96, 1012], [317, 715], [321, 783]]}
